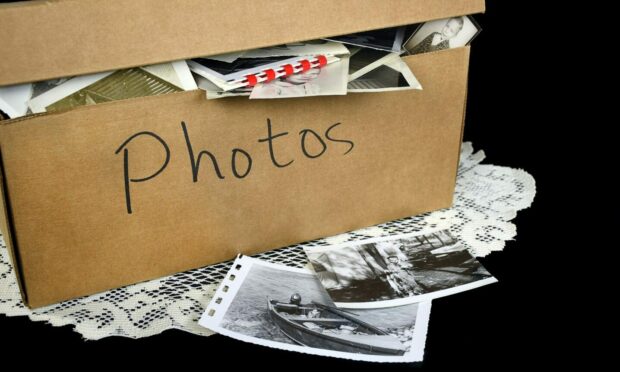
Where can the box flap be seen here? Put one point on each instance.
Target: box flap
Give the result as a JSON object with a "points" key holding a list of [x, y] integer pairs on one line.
{"points": [[50, 39]]}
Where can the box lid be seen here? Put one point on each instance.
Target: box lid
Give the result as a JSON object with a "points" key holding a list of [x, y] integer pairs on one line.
{"points": [[49, 39]]}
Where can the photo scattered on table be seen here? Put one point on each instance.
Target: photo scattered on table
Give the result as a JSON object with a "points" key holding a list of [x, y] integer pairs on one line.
{"points": [[287, 308], [396, 270]]}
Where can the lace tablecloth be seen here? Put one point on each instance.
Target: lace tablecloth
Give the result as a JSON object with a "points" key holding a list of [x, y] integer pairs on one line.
{"points": [[487, 198]]}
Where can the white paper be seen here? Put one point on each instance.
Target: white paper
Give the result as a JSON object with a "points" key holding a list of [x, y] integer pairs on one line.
{"points": [[393, 75], [381, 61], [14, 99]]}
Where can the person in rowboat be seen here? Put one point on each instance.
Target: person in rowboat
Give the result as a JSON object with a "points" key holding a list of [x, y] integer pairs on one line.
{"points": [[296, 300]]}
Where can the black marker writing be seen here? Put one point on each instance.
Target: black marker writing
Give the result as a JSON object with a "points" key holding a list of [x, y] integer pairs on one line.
{"points": [[240, 168], [128, 179], [303, 133], [195, 163], [270, 139], [234, 162]]}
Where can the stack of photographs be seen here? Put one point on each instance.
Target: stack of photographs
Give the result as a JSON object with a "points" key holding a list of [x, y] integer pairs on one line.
{"points": [[368, 300], [288, 308], [364, 62], [387, 39], [67, 93], [375, 64], [391, 74], [227, 75]]}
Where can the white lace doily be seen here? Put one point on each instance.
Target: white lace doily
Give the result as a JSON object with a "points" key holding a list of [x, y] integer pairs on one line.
{"points": [[487, 197]]}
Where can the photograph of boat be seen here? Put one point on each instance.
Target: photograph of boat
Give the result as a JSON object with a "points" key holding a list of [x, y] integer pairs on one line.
{"points": [[288, 308], [318, 325]]}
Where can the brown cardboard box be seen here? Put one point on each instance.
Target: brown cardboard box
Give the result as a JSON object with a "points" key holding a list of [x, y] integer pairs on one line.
{"points": [[108, 195]]}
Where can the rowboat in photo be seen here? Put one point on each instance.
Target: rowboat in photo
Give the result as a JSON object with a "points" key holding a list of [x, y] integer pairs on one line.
{"points": [[321, 326]]}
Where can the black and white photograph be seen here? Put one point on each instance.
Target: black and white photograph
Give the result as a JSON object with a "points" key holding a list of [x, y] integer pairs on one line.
{"points": [[15, 99], [213, 91], [305, 48], [229, 71], [442, 34], [318, 81], [63, 94], [41, 87], [288, 308], [387, 39], [363, 60], [394, 74], [396, 270]]}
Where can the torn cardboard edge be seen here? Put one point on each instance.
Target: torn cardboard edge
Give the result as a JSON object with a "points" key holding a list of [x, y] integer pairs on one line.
{"points": [[205, 28]]}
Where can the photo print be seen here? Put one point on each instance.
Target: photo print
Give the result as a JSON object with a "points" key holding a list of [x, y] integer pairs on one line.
{"points": [[442, 34], [328, 80], [396, 270], [287, 308], [394, 74], [64, 94]]}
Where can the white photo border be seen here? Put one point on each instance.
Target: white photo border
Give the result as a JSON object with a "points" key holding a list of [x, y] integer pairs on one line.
{"points": [[211, 320], [469, 17], [405, 300]]}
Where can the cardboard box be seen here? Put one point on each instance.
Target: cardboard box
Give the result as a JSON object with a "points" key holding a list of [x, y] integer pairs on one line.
{"points": [[107, 195]]}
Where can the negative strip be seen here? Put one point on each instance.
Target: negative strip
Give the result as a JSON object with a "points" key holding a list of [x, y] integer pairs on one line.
{"points": [[397, 270], [287, 308]]}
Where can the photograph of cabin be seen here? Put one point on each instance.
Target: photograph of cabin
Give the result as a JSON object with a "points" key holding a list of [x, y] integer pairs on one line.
{"points": [[397, 268]]}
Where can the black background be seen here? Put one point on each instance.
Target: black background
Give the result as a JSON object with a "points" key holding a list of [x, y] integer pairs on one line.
{"points": [[497, 326]]}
